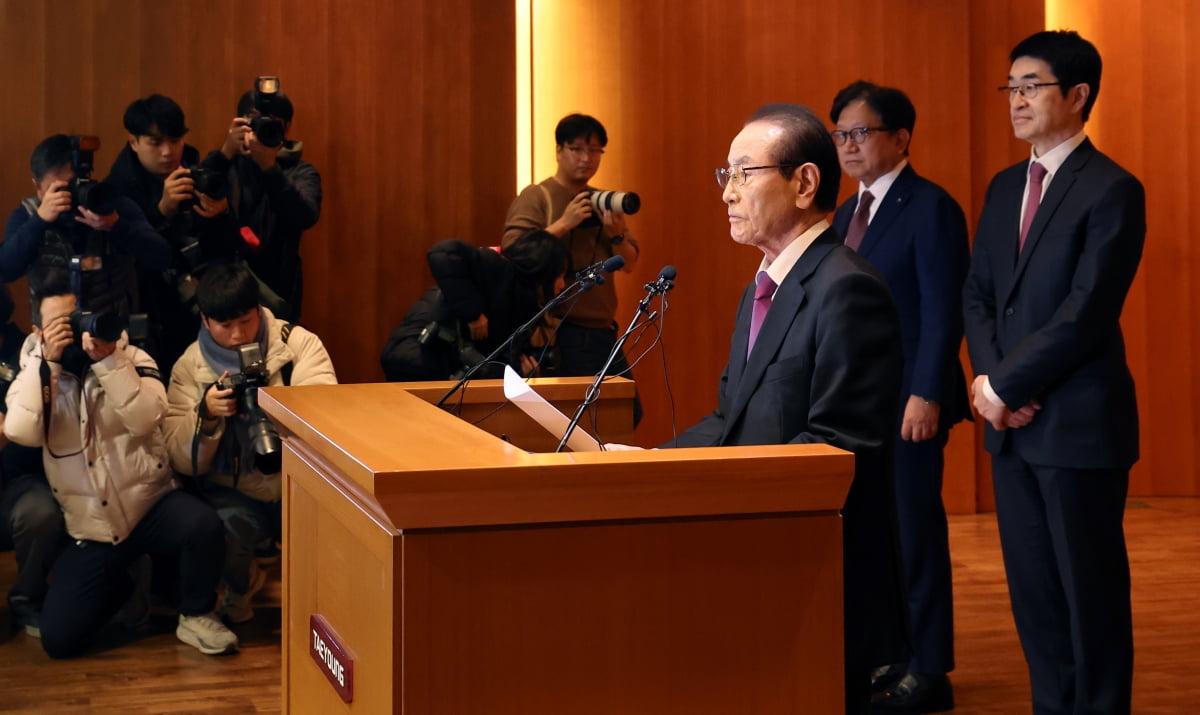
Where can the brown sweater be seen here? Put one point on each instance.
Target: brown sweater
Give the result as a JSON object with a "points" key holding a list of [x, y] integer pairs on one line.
{"points": [[596, 308]]}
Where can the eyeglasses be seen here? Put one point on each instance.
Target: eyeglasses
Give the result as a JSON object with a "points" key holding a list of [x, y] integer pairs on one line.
{"points": [[737, 174], [858, 135], [593, 150], [1028, 90]]}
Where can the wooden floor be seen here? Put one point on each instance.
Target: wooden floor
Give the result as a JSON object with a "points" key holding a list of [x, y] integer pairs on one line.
{"points": [[158, 674]]}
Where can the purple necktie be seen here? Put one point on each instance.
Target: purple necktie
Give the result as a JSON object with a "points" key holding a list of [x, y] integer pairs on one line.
{"points": [[763, 293], [1037, 172], [858, 223]]}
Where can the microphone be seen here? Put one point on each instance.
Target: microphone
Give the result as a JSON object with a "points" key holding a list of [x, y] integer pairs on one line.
{"points": [[659, 286], [664, 282], [594, 274], [584, 281]]}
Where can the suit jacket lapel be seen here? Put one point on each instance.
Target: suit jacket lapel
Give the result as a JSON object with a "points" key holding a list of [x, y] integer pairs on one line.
{"points": [[788, 301], [894, 202], [1054, 196]]}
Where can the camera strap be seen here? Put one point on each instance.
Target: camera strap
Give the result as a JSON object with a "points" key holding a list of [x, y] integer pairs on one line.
{"points": [[285, 332], [44, 374]]}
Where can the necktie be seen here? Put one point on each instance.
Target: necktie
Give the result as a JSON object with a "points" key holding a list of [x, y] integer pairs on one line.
{"points": [[858, 224], [1037, 172], [763, 293]]}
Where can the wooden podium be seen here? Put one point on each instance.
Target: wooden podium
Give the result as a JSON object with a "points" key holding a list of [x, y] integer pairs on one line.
{"points": [[438, 569]]}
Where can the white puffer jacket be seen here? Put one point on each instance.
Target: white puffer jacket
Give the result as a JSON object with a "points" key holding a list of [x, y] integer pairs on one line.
{"points": [[192, 376], [111, 464]]}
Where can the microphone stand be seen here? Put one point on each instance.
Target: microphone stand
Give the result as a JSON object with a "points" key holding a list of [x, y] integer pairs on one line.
{"points": [[653, 288], [577, 288]]}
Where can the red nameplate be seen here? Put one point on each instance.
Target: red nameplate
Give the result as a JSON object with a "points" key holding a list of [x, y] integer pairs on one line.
{"points": [[334, 660]]}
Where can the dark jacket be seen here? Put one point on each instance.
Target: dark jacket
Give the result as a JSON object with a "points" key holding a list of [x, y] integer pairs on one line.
{"points": [[278, 205], [470, 281], [826, 369], [131, 244], [918, 241], [1045, 325]]}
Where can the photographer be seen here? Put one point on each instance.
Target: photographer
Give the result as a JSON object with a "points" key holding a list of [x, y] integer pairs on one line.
{"points": [[274, 197], [215, 430], [481, 297], [562, 205], [158, 171], [72, 216], [31, 523], [95, 405]]}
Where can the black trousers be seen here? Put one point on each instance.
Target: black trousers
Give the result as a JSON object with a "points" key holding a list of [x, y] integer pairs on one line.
{"points": [[582, 352], [1068, 578], [31, 524], [90, 581]]}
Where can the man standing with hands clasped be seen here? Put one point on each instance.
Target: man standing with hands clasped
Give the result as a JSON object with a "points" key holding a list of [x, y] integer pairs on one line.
{"points": [[1059, 242]]}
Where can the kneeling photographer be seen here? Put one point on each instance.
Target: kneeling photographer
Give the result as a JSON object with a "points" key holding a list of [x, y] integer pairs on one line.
{"points": [[215, 429], [481, 297]]}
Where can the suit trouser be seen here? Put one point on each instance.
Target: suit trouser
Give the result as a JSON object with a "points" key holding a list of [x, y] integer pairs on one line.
{"points": [[1068, 578], [90, 581], [31, 524], [925, 546]]}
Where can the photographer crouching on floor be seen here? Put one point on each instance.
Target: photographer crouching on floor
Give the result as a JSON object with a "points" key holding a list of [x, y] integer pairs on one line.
{"points": [[94, 404], [215, 429], [481, 297]]}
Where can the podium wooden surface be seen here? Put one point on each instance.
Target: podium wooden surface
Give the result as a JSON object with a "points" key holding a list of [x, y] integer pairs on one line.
{"points": [[466, 575]]}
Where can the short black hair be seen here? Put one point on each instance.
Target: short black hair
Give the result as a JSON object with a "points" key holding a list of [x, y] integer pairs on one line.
{"points": [[894, 108], [805, 140], [281, 106], [155, 113], [51, 153], [46, 282], [576, 126], [540, 258], [1072, 59], [227, 291]]}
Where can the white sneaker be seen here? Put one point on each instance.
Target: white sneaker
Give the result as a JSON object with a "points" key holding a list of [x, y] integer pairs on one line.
{"points": [[236, 606], [206, 634]]}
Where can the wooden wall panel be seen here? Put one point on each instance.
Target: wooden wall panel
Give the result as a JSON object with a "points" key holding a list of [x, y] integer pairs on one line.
{"points": [[406, 108], [691, 72]]}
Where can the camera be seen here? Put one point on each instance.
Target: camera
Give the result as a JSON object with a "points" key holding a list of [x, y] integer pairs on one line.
{"points": [[102, 325], [267, 126], [95, 196], [618, 202], [268, 453], [208, 182]]}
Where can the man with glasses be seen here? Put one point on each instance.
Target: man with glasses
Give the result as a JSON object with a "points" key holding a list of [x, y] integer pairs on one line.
{"points": [[1058, 245], [916, 235], [561, 206], [815, 358]]}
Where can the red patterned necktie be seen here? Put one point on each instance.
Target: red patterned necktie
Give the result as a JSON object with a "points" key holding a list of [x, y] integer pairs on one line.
{"points": [[1037, 172], [858, 223], [763, 293]]}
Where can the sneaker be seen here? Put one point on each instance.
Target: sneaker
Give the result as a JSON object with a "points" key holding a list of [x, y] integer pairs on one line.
{"points": [[236, 606], [26, 615], [135, 614], [206, 634]]}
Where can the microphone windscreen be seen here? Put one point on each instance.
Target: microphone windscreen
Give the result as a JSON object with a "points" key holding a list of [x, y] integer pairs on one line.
{"points": [[613, 264], [667, 273]]}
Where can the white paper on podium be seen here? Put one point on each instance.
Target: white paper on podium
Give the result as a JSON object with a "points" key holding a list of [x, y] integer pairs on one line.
{"points": [[544, 413]]}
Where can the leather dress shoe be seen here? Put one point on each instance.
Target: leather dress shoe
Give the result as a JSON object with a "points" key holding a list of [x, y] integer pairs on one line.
{"points": [[885, 677], [915, 694]]}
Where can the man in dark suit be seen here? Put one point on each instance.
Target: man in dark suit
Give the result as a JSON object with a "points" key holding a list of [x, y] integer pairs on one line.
{"points": [[916, 235], [822, 366], [1058, 245]]}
